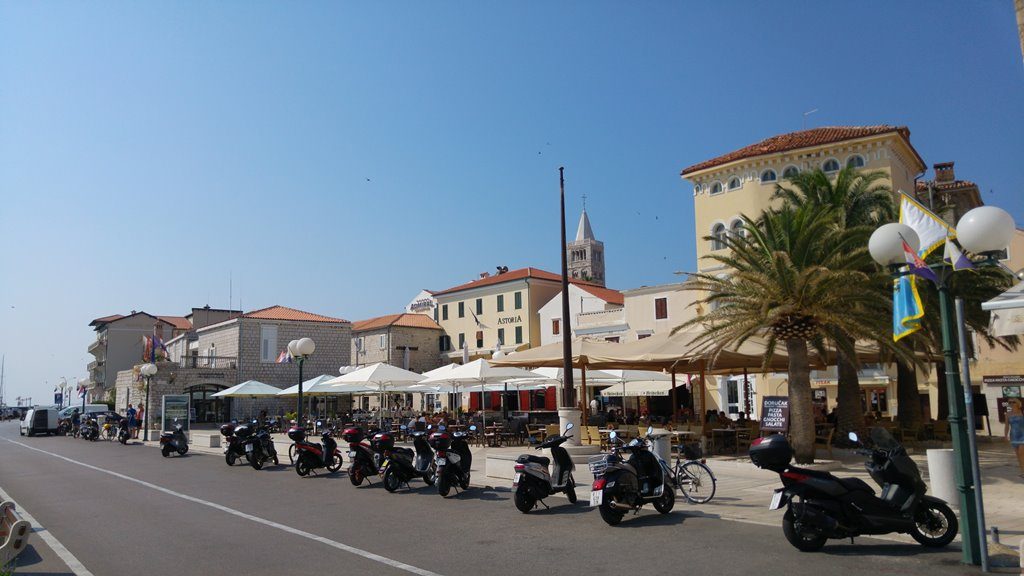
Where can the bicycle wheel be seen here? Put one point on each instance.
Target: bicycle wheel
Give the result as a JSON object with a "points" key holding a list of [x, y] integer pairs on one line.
{"points": [[292, 452], [696, 482]]}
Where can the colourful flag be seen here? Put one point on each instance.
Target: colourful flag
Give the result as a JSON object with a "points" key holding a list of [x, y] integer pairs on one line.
{"points": [[147, 348], [284, 357], [917, 264], [955, 258], [907, 309], [931, 230], [81, 390]]}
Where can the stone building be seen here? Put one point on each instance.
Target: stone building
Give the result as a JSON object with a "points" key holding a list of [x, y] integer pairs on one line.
{"points": [[118, 346], [243, 347], [586, 254], [946, 196], [409, 341]]}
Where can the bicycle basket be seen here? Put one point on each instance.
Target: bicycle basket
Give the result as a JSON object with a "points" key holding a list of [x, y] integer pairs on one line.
{"points": [[598, 464], [692, 451]]}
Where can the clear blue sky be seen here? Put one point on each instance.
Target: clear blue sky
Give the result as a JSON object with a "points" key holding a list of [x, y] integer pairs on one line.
{"points": [[337, 157]]}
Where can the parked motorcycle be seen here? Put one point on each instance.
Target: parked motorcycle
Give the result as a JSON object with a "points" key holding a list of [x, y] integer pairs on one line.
{"points": [[532, 482], [123, 433], [820, 506], [90, 430], [311, 455], [403, 464], [629, 477], [175, 441], [259, 447], [363, 460], [453, 459], [234, 441]]}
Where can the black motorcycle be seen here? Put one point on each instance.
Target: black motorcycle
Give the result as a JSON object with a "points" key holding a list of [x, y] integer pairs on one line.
{"points": [[403, 464], [312, 455], [123, 433], [90, 430], [234, 442], [453, 459], [629, 477], [174, 441], [820, 506], [259, 447], [532, 481]]}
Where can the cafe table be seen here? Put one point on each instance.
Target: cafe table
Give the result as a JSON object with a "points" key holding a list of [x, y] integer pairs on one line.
{"points": [[724, 437]]}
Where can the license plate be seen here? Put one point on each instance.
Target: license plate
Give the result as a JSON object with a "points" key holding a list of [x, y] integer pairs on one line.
{"points": [[248, 447], [776, 501], [351, 453], [515, 479], [596, 497], [440, 461]]}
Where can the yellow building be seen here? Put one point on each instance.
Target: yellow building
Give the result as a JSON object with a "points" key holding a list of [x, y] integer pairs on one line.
{"points": [[742, 182], [501, 308]]}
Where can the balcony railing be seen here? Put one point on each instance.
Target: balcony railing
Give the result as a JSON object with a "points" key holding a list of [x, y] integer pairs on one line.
{"points": [[97, 345], [222, 362]]}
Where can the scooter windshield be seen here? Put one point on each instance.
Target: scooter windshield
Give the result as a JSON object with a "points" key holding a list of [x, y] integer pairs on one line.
{"points": [[883, 439]]}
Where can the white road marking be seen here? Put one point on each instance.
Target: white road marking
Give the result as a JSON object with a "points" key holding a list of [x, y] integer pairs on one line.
{"points": [[332, 543], [63, 553]]}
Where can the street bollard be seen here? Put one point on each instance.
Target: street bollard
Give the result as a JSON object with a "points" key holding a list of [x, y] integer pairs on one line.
{"points": [[995, 534]]}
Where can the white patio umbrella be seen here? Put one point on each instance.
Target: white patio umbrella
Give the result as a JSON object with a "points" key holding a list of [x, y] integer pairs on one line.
{"points": [[641, 378], [479, 372], [380, 377], [314, 387], [248, 389]]}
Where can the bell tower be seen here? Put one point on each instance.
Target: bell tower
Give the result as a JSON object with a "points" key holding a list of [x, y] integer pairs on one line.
{"points": [[586, 254]]}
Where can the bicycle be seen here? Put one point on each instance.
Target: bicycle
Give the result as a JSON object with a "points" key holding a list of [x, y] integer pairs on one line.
{"points": [[692, 477]]}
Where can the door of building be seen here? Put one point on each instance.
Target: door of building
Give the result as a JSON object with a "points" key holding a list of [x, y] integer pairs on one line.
{"points": [[208, 409]]}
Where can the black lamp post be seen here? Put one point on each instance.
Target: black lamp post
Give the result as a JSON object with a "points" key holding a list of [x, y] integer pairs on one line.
{"points": [[300, 350], [148, 371]]}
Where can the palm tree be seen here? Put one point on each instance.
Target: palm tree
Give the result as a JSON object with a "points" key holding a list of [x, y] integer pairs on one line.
{"points": [[863, 201], [795, 278]]}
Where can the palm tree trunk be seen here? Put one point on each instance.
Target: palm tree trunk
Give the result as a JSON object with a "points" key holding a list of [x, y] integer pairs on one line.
{"points": [[850, 415], [801, 411], [907, 398]]}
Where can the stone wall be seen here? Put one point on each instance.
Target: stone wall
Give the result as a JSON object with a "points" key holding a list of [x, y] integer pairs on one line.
{"points": [[333, 350]]}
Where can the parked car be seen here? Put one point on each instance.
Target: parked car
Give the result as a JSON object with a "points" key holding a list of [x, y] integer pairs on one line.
{"points": [[39, 421]]}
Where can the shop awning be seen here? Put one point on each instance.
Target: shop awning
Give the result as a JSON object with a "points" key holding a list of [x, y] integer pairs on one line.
{"points": [[639, 389], [1007, 311]]}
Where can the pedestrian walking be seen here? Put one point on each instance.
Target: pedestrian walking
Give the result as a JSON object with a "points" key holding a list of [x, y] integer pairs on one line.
{"points": [[1013, 429], [140, 419], [131, 420]]}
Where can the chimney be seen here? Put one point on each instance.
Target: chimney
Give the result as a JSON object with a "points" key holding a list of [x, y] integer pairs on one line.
{"points": [[944, 172], [485, 275]]}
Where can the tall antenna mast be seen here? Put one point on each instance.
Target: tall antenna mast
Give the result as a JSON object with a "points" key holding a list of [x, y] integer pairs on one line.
{"points": [[3, 364], [803, 126], [230, 289]]}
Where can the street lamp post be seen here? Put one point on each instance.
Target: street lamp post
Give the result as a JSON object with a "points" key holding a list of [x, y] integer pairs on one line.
{"points": [[148, 370], [983, 231], [300, 350]]}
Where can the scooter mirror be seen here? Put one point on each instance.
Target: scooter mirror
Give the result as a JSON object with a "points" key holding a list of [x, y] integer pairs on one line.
{"points": [[430, 426], [650, 430], [319, 423], [853, 437], [472, 428], [403, 427], [442, 428], [613, 435], [568, 427]]}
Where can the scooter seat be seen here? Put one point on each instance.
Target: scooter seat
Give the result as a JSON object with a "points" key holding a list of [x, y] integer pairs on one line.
{"points": [[854, 484], [542, 460], [403, 451]]}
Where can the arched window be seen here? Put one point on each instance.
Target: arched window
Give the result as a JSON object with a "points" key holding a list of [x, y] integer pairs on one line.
{"points": [[716, 188], [855, 161], [734, 183], [736, 229], [768, 176], [718, 237], [830, 165], [696, 189], [790, 172]]}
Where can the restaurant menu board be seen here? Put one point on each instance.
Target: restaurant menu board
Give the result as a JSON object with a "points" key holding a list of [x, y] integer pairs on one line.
{"points": [[775, 413], [175, 406]]}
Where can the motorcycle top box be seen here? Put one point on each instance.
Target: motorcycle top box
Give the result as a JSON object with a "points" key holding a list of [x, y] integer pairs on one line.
{"points": [[771, 452], [227, 429], [243, 431], [382, 442], [440, 441], [352, 435], [297, 434]]}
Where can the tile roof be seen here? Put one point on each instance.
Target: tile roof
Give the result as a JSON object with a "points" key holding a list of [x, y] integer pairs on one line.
{"points": [[607, 294], [509, 276], [405, 319], [952, 185], [106, 319], [285, 313], [802, 139], [179, 322]]}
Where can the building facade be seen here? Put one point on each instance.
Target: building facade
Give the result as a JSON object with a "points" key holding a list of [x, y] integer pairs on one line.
{"points": [[119, 346], [586, 254], [584, 299]]}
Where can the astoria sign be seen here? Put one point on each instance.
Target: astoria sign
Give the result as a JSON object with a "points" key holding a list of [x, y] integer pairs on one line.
{"points": [[510, 320]]}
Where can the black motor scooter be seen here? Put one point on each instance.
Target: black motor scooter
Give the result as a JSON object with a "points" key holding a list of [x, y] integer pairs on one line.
{"points": [[820, 506], [90, 430], [364, 461], [532, 482], [404, 464], [627, 483], [174, 441], [453, 459], [312, 455], [123, 433], [260, 448], [234, 441]]}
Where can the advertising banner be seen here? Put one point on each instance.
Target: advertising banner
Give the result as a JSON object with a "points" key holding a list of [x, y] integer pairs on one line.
{"points": [[175, 406]]}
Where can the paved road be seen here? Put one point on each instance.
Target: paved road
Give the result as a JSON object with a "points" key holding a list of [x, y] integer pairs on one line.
{"points": [[127, 510]]}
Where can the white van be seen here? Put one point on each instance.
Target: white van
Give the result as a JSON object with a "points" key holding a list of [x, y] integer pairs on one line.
{"points": [[39, 421], [89, 409]]}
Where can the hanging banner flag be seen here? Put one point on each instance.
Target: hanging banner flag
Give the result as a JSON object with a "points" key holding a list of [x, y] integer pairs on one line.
{"points": [[907, 309], [931, 230], [955, 258]]}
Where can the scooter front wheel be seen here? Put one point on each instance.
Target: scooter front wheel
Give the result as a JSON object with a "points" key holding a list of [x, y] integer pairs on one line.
{"points": [[801, 537], [355, 474], [667, 500], [570, 490], [256, 461], [336, 466], [431, 476], [935, 525], [302, 467], [391, 480], [183, 450], [165, 451], [230, 458], [524, 500]]}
